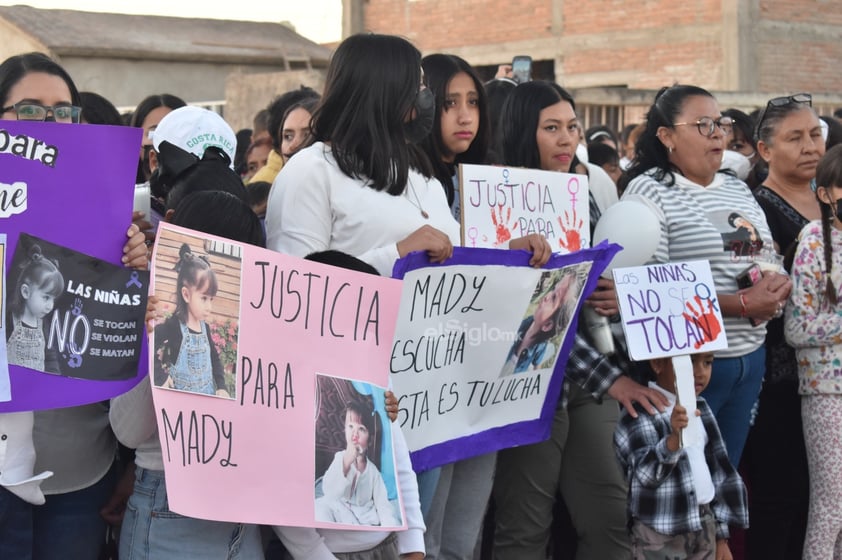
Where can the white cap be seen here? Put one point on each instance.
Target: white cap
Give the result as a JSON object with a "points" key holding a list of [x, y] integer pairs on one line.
{"points": [[194, 129]]}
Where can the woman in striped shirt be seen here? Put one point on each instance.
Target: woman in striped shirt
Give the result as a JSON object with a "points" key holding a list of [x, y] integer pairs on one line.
{"points": [[708, 215]]}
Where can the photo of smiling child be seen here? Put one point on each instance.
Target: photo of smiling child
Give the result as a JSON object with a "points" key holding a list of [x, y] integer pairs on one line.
{"points": [[541, 332], [186, 356], [36, 288]]}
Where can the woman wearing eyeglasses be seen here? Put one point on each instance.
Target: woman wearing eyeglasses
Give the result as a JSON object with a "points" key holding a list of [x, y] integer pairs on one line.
{"points": [[34, 88], [789, 140], [676, 171], [76, 443]]}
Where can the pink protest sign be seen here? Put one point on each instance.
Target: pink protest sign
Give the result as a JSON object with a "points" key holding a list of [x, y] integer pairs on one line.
{"points": [[253, 391]]}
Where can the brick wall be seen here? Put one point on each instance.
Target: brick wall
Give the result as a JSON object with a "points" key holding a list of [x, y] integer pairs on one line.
{"points": [[763, 45], [799, 46]]}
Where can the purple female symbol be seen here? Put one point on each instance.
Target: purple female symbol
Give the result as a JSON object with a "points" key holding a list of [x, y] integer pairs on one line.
{"points": [[472, 235], [574, 181]]}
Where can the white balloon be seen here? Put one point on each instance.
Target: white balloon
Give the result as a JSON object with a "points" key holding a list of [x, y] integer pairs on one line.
{"points": [[632, 225]]}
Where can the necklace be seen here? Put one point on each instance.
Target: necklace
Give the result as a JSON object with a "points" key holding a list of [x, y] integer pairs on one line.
{"points": [[417, 202]]}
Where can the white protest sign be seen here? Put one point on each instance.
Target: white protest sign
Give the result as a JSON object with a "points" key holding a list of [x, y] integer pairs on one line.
{"points": [[502, 203], [685, 391], [669, 309], [476, 347]]}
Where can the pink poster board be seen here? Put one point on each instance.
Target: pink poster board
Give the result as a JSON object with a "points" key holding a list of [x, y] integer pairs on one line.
{"points": [[278, 323]]}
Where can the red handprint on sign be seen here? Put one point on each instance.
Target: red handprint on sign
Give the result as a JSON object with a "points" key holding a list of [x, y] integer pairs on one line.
{"points": [[570, 238], [705, 320], [501, 224]]}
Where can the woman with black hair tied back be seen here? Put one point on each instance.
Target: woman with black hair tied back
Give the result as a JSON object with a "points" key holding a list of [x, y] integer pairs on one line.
{"points": [[676, 172]]}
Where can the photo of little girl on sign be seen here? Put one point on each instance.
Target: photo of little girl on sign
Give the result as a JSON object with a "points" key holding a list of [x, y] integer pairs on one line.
{"points": [[352, 441], [541, 332], [195, 347], [38, 284]]}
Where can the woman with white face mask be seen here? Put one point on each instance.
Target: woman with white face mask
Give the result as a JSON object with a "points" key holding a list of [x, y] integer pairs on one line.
{"points": [[789, 140], [740, 155]]}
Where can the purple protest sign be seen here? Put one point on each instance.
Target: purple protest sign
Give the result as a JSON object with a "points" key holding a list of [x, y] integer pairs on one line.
{"points": [[71, 185], [480, 347]]}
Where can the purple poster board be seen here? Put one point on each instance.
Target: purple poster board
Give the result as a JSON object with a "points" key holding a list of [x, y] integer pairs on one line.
{"points": [[453, 359], [72, 185]]}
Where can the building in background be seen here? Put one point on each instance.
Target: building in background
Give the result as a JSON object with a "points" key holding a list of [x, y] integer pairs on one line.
{"points": [[614, 54], [127, 57]]}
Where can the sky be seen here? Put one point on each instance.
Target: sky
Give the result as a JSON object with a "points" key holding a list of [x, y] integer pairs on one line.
{"points": [[318, 20]]}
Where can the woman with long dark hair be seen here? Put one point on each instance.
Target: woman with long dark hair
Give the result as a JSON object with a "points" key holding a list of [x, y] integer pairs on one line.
{"points": [[540, 129]]}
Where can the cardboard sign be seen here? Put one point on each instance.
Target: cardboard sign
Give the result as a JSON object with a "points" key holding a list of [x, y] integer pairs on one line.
{"points": [[480, 348], [502, 203], [71, 186], [298, 343], [669, 309]]}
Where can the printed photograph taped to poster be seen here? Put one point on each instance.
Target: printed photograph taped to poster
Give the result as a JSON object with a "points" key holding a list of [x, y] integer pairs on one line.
{"points": [[5, 383], [72, 314], [355, 476], [197, 283], [538, 338]]}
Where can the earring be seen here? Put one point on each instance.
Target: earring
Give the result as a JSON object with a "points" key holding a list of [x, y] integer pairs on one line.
{"points": [[669, 149]]}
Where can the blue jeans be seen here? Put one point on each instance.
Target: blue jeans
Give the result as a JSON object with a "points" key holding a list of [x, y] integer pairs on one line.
{"points": [[427, 483], [16, 534], [69, 525], [733, 390], [152, 532]]}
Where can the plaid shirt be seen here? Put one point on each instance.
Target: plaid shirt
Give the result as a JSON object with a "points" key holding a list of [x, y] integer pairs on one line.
{"points": [[586, 367], [661, 490], [589, 369]]}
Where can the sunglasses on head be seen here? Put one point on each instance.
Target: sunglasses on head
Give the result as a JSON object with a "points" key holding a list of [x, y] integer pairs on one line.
{"points": [[796, 99]]}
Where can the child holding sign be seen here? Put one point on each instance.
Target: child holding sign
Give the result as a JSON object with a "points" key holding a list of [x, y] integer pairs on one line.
{"points": [[681, 499], [39, 284], [186, 357]]}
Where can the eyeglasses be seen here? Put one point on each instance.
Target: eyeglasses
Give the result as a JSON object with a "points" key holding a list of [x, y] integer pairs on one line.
{"points": [[798, 98], [31, 111], [707, 125]]}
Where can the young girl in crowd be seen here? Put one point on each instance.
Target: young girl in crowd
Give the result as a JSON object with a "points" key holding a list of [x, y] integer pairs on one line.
{"points": [[461, 127], [150, 531], [39, 284], [186, 358], [455, 496], [75, 442], [813, 325]]}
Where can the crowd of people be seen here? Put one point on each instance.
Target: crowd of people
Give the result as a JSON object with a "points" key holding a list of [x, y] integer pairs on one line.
{"points": [[366, 172]]}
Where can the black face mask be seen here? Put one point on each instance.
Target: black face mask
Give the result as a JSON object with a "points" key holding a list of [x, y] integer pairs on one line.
{"points": [[839, 209], [425, 111]]}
